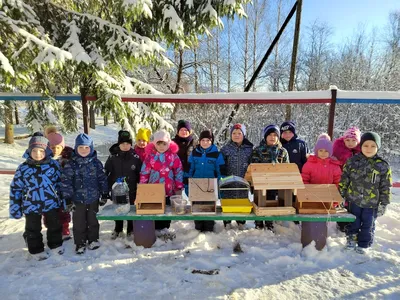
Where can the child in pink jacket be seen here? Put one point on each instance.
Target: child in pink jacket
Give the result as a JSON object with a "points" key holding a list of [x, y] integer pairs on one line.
{"points": [[321, 168], [162, 165]]}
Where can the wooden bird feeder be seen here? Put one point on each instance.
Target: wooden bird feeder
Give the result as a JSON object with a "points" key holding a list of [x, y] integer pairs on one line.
{"points": [[203, 195], [318, 199], [150, 199], [285, 178]]}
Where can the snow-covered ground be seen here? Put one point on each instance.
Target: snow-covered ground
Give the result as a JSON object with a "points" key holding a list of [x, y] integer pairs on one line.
{"points": [[272, 265]]}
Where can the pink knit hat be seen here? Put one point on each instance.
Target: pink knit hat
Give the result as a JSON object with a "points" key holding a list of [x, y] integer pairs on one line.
{"points": [[353, 133], [56, 139], [161, 136]]}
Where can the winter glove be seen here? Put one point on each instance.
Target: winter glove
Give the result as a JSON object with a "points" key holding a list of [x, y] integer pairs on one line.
{"points": [[381, 210], [345, 204], [104, 198], [69, 205]]}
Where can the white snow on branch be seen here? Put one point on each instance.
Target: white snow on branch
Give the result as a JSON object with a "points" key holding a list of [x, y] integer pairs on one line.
{"points": [[73, 45], [144, 5], [5, 64], [213, 14], [172, 19]]}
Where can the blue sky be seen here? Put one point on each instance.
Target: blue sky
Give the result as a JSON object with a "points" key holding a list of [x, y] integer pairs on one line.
{"points": [[345, 16]]}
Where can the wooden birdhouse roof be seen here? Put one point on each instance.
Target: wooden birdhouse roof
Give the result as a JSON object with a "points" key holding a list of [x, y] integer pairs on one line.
{"points": [[275, 176], [150, 193], [319, 193]]}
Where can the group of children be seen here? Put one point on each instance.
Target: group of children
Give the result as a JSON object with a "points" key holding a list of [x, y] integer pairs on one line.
{"points": [[76, 181]]}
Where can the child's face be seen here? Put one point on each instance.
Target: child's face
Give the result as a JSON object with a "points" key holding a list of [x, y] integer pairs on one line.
{"points": [[38, 154], [369, 148], [272, 139], [141, 143], [124, 147], [57, 149], [287, 135], [183, 132], [205, 143], [237, 136], [83, 150], [350, 143], [323, 154], [161, 146]]}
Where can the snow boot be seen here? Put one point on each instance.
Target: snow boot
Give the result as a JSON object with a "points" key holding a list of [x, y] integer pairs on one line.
{"points": [[361, 250], [40, 256], [351, 242], [80, 249], [94, 245], [59, 250]]}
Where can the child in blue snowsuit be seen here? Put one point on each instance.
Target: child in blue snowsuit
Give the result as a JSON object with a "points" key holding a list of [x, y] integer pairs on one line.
{"points": [[205, 162], [83, 182], [33, 193]]}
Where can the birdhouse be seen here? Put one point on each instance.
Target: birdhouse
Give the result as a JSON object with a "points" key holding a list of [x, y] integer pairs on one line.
{"points": [[318, 199], [203, 195], [150, 199], [283, 178], [234, 193]]}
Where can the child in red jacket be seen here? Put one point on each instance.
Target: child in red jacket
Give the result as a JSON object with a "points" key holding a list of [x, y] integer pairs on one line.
{"points": [[320, 168]]}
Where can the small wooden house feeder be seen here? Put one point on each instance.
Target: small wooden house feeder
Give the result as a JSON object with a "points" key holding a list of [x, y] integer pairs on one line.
{"points": [[285, 178], [318, 199], [234, 192], [203, 195], [150, 199]]}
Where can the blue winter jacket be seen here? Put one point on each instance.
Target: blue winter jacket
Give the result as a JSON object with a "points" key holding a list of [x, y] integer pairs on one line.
{"points": [[35, 186], [297, 150], [205, 163], [83, 179], [237, 158]]}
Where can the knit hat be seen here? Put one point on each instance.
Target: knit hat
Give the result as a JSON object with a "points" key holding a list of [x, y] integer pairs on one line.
{"points": [[324, 142], [161, 136], [56, 139], [239, 126], [38, 141], [124, 136], [269, 129], [353, 133], [184, 124], [289, 125], [143, 134], [207, 134], [371, 136], [83, 140]]}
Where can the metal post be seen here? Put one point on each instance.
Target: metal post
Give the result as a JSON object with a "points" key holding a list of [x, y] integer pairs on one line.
{"points": [[332, 112]]}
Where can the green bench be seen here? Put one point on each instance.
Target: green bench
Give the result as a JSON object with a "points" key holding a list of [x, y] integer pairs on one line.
{"points": [[313, 227]]}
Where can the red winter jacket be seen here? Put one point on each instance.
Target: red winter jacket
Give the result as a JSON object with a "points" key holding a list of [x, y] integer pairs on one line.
{"points": [[321, 171], [141, 152], [342, 153]]}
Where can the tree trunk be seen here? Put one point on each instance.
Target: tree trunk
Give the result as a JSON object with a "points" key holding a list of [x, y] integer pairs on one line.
{"points": [[179, 72], [105, 120], [229, 55], [196, 75], [217, 46], [9, 130], [246, 50], [92, 117], [85, 110], [210, 64], [16, 114]]}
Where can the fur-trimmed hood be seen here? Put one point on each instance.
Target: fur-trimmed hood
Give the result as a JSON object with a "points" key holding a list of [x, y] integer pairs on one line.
{"points": [[151, 148]]}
